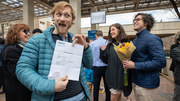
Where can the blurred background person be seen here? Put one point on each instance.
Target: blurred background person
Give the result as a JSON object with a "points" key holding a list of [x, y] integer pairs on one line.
{"points": [[177, 43], [16, 39], [89, 73], [88, 40], [99, 67], [175, 66], [2, 45], [36, 31]]}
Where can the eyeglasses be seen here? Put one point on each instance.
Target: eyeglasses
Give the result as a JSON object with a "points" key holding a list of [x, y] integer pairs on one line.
{"points": [[138, 19], [26, 31]]}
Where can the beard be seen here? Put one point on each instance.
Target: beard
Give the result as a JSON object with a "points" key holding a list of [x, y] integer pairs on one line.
{"points": [[62, 31]]}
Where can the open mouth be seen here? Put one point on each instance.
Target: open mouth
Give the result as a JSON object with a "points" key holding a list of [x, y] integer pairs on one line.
{"points": [[62, 25]]}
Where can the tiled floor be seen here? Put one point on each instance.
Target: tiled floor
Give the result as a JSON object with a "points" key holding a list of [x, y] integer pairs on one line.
{"points": [[163, 93]]}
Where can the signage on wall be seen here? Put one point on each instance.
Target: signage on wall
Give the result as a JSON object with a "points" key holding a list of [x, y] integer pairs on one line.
{"points": [[98, 17], [91, 34]]}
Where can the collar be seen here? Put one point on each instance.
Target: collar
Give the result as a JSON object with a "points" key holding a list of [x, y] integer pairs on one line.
{"points": [[142, 32], [100, 38], [48, 34], [60, 37], [66, 36], [21, 44]]}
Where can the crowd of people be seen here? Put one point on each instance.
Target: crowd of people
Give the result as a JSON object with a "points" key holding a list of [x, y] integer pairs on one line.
{"points": [[25, 62]]}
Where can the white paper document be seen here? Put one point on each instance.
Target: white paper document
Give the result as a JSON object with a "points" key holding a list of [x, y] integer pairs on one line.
{"points": [[66, 61]]}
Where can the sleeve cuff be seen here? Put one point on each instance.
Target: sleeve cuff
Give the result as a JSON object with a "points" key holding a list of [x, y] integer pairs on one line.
{"points": [[86, 48]]}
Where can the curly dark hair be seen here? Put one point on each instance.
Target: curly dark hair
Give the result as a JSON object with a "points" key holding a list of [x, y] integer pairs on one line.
{"points": [[147, 19]]}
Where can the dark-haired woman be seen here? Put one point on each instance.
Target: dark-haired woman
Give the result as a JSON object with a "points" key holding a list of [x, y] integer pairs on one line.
{"points": [[115, 70]]}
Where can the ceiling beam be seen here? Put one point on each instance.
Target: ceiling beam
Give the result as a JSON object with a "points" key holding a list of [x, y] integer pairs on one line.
{"points": [[118, 4], [105, 7], [110, 4], [139, 9], [44, 4], [17, 8], [10, 8], [137, 4], [175, 8], [92, 4], [159, 2], [4, 22]]}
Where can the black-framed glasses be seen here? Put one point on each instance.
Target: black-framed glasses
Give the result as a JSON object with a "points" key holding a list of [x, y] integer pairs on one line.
{"points": [[138, 19], [26, 31]]}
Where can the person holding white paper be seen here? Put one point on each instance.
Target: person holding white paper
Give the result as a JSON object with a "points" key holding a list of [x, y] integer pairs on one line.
{"points": [[34, 64]]}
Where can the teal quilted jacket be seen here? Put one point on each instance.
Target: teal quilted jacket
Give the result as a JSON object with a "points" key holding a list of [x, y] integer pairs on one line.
{"points": [[34, 65]]}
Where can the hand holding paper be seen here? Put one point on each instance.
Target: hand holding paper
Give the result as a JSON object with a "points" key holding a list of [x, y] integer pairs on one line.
{"points": [[60, 84], [80, 39]]}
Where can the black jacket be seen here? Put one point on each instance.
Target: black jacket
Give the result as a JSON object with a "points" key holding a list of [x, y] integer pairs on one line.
{"points": [[175, 52], [173, 64], [13, 87], [115, 70]]}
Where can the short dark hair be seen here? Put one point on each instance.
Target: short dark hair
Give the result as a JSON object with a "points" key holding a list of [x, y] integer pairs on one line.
{"points": [[36, 30], [147, 19], [2, 41], [99, 33]]}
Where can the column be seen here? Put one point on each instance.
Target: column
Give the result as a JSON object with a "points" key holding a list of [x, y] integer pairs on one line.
{"points": [[2, 27], [36, 22], [28, 13], [76, 27], [93, 26]]}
